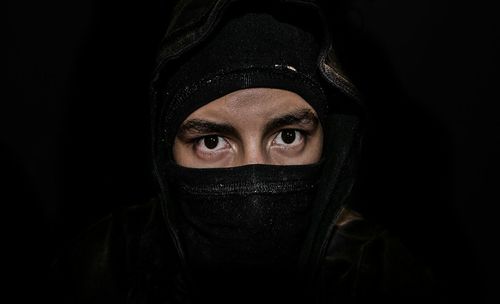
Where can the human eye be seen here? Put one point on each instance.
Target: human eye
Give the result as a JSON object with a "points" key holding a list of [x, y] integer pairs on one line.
{"points": [[210, 144], [289, 138]]}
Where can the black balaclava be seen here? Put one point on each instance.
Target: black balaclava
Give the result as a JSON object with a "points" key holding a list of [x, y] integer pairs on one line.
{"points": [[249, 51], [241, 228]]}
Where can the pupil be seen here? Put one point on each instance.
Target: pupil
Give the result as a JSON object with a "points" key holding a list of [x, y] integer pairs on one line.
{"points": [[211, 141], [288, 136]]}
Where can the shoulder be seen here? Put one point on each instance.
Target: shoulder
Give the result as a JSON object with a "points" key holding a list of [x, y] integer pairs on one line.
{"points": [[97, 266], [371, 263]]}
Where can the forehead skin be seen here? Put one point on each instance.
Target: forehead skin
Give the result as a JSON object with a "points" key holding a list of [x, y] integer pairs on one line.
{"points": [[248, 112], [251, 106]]}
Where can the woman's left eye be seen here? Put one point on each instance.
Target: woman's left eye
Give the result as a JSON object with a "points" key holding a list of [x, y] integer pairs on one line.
{"points": [[289, 137]]}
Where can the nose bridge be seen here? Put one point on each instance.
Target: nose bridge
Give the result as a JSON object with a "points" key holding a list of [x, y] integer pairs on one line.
{"points": [[253, 151]]}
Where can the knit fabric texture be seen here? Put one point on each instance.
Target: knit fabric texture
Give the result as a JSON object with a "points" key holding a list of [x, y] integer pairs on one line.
{"points": [[249, 51]]}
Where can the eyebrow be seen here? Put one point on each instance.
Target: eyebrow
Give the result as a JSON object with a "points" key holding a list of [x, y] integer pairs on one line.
{"points": [[304, 117], [200, 126]]}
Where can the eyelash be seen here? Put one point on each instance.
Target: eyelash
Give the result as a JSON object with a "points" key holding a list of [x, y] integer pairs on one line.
{"points": [[197, 140]]}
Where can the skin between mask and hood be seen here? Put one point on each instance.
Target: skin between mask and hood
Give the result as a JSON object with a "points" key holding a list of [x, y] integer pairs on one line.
{"points": [[136, 255]]}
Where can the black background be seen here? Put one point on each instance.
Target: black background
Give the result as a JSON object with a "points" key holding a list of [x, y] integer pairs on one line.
{"points": [[74, 121]]}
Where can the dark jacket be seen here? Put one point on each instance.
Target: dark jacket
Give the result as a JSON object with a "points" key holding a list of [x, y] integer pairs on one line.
{"points": [[128, 257], [134, 255]]}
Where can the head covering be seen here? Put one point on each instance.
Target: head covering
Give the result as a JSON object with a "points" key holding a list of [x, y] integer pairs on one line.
{"points": [[195, 28], [244, 224], [249, 51]]}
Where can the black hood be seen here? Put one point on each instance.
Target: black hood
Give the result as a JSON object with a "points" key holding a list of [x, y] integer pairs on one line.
{"points": [[193, 22]]}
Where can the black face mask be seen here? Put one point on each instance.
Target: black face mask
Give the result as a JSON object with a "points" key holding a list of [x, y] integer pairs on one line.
{"points": [[243, 221]]}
